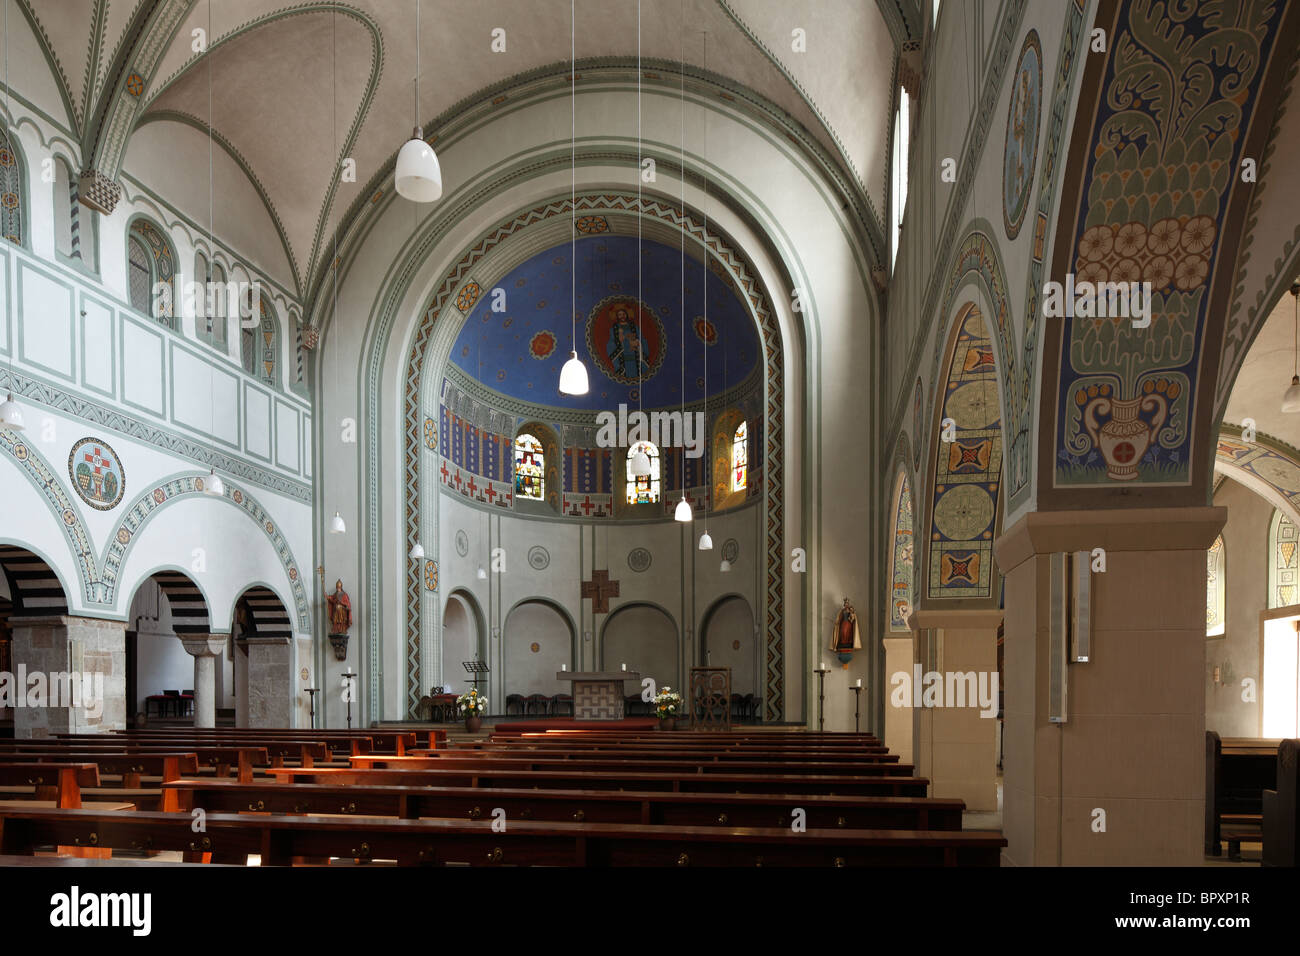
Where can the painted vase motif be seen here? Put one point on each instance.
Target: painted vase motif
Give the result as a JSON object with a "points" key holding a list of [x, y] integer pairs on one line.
{"points": [[1125, 438]]}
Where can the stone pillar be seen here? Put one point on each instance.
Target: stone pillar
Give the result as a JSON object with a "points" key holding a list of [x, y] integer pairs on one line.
{"points": [[205, 648], [270, 682], [1133, 742], [241, 682], [898, 714], [955, 730], [69, 675]]}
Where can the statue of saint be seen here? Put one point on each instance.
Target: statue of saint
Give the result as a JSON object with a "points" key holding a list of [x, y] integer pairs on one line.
{"points": [[844, 635], [340, 609]]}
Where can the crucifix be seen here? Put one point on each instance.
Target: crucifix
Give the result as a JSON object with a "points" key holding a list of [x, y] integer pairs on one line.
{"points": [[600, 589]]}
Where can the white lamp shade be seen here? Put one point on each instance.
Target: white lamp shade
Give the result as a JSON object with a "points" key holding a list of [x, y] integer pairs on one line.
{"points": [[573, 379], [482, 575], [418, 176], [336, 524], [11, 414], [1291, 400], [725, 566], [706, 542], [640, 464], [683, 512], [215, 486], [417, 551]]}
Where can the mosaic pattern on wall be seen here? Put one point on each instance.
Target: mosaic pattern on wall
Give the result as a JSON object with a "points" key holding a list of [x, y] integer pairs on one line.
{"points": [[11, 192], [1180, 88], [96, 474], [901, 572], [1020, 151], [967, 469], [1283, 562]]}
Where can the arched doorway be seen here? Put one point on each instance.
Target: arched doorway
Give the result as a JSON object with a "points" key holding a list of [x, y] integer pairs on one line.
{"points": [[29, 590], [170, 652], [262, 638], [538, 641]]}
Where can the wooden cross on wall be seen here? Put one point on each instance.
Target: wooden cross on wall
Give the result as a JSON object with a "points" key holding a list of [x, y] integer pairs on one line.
{"points": [[600, 589]]}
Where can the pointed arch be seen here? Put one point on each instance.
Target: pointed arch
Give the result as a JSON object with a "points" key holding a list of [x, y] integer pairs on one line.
{"points": [[966, 466], [902, 586], [1216, 586], [1283, 561], [13, 191]]}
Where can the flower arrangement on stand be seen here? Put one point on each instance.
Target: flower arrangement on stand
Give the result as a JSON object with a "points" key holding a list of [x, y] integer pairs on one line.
{"points": [[667, 703], [472, 707]]}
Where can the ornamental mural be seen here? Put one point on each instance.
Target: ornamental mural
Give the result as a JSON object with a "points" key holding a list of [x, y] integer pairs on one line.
{"points": [[11, 191], [1021, 150], [1282, 561], [901, 575], [626, 340], [97, 474], [1178, 94], [967, 466]]}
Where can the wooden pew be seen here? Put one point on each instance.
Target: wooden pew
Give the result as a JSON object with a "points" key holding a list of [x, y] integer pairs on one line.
{"points": [[60, 782], [304, 750], [243, 758], [378, 741], [726, 754], [883, 767], [596, 806], [895, 786], [1282, 809], [279, 839], [1237, 772]]}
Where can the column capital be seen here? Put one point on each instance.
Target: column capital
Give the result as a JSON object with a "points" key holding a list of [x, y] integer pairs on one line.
{"points": [[927, 617], [1115, 529], [204, 645]]}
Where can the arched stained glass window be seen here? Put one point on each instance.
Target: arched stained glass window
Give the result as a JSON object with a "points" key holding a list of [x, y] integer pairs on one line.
{"points": [[157, 271], [1282, 562], [643, 489], [900, 590], [1215, 587], [530, 468], [11, 192], [740, 458], [140, 280]]}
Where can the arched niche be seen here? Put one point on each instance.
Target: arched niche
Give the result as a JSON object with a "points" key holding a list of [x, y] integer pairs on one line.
{"points": [[727, 640], [462, 640], [644, 637], [537, 641]]}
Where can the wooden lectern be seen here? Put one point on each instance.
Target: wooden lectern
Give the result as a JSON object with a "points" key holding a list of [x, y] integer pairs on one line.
{"points": [[710, 698]]}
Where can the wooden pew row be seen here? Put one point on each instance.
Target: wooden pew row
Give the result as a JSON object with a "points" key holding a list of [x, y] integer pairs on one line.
{"points": [[61, 782], [383, 741], [623, 806], [700, 753], [881, 786], [1237, 772], [279, 839], [221, 759], [304, 750], [686, 737], [614, 762]]}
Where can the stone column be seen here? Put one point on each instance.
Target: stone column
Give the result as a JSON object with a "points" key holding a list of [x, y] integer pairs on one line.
{"points": [[955, 730], [270, 682], [1130, 755], [69, 675], [898, 716], [205, 650], [241, 682]]}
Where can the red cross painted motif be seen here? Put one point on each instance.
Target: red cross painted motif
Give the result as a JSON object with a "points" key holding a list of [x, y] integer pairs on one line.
{"points": [[445, 473], [459, 481], [471, 486], [97, 462], [587, 505], [491, 494]]}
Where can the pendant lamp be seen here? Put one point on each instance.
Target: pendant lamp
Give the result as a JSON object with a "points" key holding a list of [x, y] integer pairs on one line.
{"points": [[336, 524], [573, 376], [11, 413], [683, 512], [417, 552], [640, 463], [1291, 400], [214, 485], [725, 566], [482, 575], [418, 176]]}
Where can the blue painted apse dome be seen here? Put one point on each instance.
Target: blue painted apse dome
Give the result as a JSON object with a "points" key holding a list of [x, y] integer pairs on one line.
{"points": [[632, 347]]}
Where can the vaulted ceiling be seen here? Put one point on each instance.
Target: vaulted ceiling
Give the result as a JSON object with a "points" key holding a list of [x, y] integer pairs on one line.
{"points": [[278, 113]]}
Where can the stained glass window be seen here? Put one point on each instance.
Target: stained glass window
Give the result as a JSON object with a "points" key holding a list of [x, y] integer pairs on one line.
{"points": [[141, 277], [643, 489], [740, 458], [152, 264], [11, 191], [1214, 589], [1282, 562], [530, 468]]}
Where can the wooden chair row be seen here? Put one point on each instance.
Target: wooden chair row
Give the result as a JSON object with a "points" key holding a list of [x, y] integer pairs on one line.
{"points": [[578, 764]]}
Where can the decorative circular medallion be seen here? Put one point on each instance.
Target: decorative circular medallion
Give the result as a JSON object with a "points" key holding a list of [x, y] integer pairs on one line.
{"points": [[534, 647], [539, 558], [97, 474], [731, 549], [638, 559], [1021, 151], [622, 351], [735, 645], [20, 452], [541, 345], [199, 484], [293, 573], [238, 496], [705, 331], [430, 435], [467, 296], [159, 496], [135, 84], [962, 512], [123, 536], [462, 543], [270, 528]]}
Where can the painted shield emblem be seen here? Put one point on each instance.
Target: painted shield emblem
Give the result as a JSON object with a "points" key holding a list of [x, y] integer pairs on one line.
{"points": [[96, 474]]}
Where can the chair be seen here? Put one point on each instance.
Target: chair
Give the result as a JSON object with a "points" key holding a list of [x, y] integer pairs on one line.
{"points": [[172, 703], [631, 705], [737, 707], [515, 700], [536, 704], [560, 703]]}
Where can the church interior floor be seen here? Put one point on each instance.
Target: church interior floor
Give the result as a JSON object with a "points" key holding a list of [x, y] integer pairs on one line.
{"points": [[987, 819]]}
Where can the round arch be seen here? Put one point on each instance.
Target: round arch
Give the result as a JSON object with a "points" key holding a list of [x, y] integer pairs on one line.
{"points": [[727, 640], [537, 637], [464, 636], [645, 636]]}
